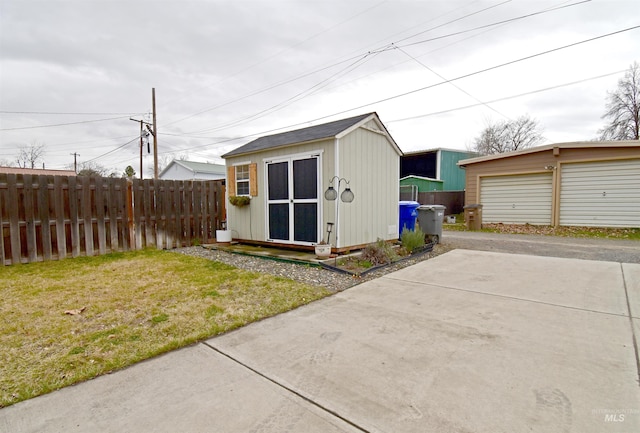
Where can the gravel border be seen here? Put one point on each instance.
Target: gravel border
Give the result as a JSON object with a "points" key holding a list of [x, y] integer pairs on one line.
{"points": [[333, 281]]}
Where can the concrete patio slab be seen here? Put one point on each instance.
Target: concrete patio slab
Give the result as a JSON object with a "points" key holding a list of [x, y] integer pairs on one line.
{"points": [[465, 342], [399, 356], [190, 390], [583, 284]]}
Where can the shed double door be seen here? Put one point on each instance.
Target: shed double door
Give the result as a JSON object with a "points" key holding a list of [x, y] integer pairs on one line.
{"points": [[292, 200]]}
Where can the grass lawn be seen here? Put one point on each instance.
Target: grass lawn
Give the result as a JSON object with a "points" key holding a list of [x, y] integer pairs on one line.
{"points": [[66, 321]]}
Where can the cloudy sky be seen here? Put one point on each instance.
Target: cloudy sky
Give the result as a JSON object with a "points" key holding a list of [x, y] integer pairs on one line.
{"points": [[73, 73]]}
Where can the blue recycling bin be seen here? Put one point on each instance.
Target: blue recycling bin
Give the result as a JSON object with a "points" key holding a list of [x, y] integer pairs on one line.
{"points": [[408, 214]]}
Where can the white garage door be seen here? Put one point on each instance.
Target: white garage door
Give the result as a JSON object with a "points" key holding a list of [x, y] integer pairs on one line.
{"points": [[600, 194], [517, 199]]}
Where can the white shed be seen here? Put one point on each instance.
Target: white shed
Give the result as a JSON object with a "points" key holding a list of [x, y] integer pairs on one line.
{"points": [[191, 170], [286, 176]]}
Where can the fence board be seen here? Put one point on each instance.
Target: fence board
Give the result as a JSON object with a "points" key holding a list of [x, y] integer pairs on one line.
{"points": [[61, 235], [177, 209], [85, 181], [43, 211], [100, 216], [137, 213], [74, 203], [29, 216], [14, 218], [112, 211], [188, 203]]}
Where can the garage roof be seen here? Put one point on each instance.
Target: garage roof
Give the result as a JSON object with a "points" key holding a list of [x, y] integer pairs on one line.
{"points": [[571, 145]]}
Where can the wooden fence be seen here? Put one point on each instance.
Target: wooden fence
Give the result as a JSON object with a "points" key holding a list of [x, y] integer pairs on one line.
{"points": [[54, 217]]}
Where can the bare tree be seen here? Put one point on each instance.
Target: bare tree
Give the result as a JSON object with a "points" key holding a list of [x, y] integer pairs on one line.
{"points": [[29, 156], [623, 108], [93, 169], [508, 136]]}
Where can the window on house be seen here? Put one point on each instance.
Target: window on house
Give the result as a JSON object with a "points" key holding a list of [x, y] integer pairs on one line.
{"points": [[242, 180]]}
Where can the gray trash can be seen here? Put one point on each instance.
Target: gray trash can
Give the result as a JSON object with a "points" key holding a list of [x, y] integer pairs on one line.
{"points": [[430, 218]]}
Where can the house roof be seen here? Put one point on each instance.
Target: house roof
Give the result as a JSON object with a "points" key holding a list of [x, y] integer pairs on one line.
{"points": [[304, 135], [571, 145], [197, 167], [413, 176], [36, 171], [435, 149]]}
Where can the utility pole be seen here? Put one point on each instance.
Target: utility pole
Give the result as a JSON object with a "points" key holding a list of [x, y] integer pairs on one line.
{"points": [[75, 161], [141, 131], [155, 134]]}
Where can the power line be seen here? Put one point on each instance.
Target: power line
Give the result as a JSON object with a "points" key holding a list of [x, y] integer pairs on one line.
{"points": [[113, 150], [375, 51], [453, 84], [495, 24], [482, 71], [358, 56], [73, 114], [63, 124], [435, 113]]}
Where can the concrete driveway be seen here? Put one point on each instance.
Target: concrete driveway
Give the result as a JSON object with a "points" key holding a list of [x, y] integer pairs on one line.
{"points": [[469, 341]]}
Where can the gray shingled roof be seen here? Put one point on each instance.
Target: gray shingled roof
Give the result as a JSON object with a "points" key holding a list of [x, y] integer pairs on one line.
{"points": [[317, 132]]}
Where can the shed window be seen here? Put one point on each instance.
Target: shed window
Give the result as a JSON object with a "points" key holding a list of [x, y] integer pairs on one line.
{"points": [[242, 179]]}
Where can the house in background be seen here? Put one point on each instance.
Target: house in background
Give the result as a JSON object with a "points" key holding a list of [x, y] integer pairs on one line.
{"points": [[417, 184], [286, 176], [190, 170], [434, 164], [592, 183]]}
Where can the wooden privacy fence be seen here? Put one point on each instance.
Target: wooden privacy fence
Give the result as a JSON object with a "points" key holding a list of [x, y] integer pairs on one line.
{"points": [[54, 217]]}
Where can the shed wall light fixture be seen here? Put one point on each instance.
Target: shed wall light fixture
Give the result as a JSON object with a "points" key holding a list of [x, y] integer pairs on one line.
{"points": [[346, 196]]}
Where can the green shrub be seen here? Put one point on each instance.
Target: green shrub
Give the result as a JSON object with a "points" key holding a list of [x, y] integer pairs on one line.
{"points": [[412, 239]]}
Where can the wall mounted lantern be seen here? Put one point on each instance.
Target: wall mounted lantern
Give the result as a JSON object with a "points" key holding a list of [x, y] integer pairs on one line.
{"points": [[346, 196]]}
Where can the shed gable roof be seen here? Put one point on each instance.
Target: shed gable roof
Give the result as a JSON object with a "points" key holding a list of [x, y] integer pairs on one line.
{"points": [[312, 133]]}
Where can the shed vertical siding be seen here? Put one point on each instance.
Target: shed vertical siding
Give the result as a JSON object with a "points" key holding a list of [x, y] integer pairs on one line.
{"points": [[372, 166]]}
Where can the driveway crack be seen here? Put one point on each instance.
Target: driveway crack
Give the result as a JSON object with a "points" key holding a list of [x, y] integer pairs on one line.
{"points": [[287, 388], [633, 331]]}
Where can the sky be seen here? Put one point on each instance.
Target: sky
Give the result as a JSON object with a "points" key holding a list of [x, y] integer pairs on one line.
{"points": [[73, 73]]}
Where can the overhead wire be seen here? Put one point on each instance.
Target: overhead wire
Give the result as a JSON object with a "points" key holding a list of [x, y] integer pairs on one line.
{"points": [[63, 124], [330, 66], [482, 71], [113, 150], [297, 97], [505, 98], [453, 84], [393, 46], [280, 53], [425, 87]]}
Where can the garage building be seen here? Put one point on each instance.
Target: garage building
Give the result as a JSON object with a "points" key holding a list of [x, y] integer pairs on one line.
{"points": [[594, 184]]}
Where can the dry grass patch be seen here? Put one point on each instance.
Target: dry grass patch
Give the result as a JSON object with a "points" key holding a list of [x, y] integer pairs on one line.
{"points": [[71, 320]]}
